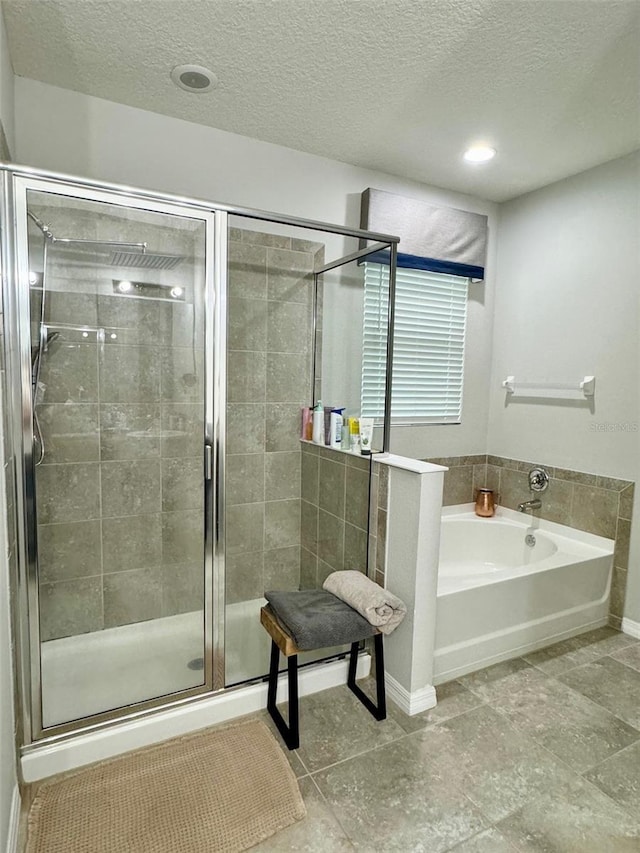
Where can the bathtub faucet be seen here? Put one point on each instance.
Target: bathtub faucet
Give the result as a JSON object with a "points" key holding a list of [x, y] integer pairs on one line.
{"points": [[536, 503]]}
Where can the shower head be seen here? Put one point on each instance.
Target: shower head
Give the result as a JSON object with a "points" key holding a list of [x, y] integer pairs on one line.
{"points": [[144, 260]]}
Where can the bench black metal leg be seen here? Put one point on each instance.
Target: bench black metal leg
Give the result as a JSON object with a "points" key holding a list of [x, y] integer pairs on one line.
{"points": [[379, 710], [290, 733]]}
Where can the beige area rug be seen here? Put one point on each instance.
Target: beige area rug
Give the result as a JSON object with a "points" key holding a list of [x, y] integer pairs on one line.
{"points": [[219, 790]]}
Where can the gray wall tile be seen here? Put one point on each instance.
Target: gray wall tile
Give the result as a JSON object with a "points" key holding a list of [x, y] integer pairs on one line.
{"points": [[134, 321], [355, 548], [182, 484], [244, 576], [71, 550], [129, 374], [357, 498], [623, 535], [70, 432], [595, 510], [182, 588], [458, 486], [245, 528], [308, 569], [182, 537], [132, 597], [289, 276], [68, 492], [70, 607], [331, 539], [309, 477], [246, 372], [247, 326], [247, 271], [288, 378], [182, 375], [182, 427], [332, 487], [129, 431], [282, 568], [281, 524], [130, 487], [69, 373], [132, 542], [282, 475], [245, 428], [245, 478], [283, 426], [309, 526], [287, 327]]}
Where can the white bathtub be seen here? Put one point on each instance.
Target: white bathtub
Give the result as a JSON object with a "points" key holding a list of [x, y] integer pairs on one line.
{"points": [[499, 597]]}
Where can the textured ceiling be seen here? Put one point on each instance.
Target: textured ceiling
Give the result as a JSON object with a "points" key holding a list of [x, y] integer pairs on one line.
{"points": [[396, 85]]}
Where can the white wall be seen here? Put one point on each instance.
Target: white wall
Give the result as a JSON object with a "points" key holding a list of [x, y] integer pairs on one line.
{"points": [[6, 90], [568, 279], [69, 132]]}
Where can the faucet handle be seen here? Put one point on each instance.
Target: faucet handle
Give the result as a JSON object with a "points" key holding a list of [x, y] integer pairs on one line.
{"points": [[538, 480]]}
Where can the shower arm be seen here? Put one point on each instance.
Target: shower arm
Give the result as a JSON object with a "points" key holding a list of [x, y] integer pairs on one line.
{"points": [[46, 230]]}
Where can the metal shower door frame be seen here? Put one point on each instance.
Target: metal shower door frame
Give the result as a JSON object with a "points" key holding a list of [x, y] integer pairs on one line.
{"points": [[16, 290]]}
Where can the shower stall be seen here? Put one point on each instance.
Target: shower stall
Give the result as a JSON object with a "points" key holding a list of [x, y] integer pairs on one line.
{"points": [[157, 353]]}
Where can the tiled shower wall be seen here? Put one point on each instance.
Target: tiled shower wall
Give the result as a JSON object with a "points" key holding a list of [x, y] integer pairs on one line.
{"points": [[590, 502], [269, 380], [119, 492], [120, 489], [343, 522]]}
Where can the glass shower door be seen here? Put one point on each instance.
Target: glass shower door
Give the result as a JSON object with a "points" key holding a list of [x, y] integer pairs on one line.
{"points": [[117, 309]]}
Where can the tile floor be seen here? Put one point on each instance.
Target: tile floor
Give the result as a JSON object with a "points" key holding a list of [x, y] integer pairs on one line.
{"points": [[540, 754]]}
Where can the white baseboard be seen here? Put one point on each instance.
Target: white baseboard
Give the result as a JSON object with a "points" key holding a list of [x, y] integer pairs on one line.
{"points": [[631, 628], [410, 703], [46, 760], [14, 822]]}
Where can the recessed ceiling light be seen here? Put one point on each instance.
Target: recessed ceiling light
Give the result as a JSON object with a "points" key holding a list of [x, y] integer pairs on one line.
{"points": [[194, 78], [479, 154], [125, 286]]}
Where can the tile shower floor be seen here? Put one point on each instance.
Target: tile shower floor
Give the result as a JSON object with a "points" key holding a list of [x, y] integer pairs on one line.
{"points": [[540, 753]]}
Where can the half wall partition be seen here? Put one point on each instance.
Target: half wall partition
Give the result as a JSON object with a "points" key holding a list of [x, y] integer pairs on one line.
{"points": [[156, 362]]}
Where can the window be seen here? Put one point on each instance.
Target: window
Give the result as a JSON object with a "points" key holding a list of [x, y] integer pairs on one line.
{"points": [[428, 350]]}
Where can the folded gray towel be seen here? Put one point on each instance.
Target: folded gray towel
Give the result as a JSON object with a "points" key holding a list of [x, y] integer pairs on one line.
{"points": [[380, 607], [317, 619]]}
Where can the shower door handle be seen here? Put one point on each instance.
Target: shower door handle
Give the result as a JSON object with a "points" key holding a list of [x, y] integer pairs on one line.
{"points": [[208, 462]]}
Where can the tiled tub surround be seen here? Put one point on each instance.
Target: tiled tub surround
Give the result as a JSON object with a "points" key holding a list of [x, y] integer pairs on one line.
{"points": [[119, 493], [269, 380], [590, 502]]}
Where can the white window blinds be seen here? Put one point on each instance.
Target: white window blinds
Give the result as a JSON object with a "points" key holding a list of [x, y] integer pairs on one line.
{"points": [[428, 350]]}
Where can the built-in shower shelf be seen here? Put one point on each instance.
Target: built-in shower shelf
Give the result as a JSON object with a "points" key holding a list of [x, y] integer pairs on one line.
{"points": [[586, 387]]}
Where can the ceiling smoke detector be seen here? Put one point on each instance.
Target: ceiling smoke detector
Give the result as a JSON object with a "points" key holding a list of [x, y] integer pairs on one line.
{"points": [[194, 78]]}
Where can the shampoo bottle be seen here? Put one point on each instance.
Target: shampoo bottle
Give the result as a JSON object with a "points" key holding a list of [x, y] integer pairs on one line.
{"points": [[335, 434], [318, 424]]}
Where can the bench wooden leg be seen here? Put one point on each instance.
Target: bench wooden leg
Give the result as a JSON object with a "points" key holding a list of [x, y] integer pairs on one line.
{"points": [[291, 732], [378, 710]]}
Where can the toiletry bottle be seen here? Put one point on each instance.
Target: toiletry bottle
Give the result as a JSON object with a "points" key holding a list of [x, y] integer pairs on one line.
{"points": [[306, 423], [335, 436], [318, 424], [354, 437], [366, 435], [327, 424], [345, 443]]}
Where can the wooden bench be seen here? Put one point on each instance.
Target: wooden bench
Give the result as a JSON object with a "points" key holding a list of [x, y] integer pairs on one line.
{"points": [[282, 641]]}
